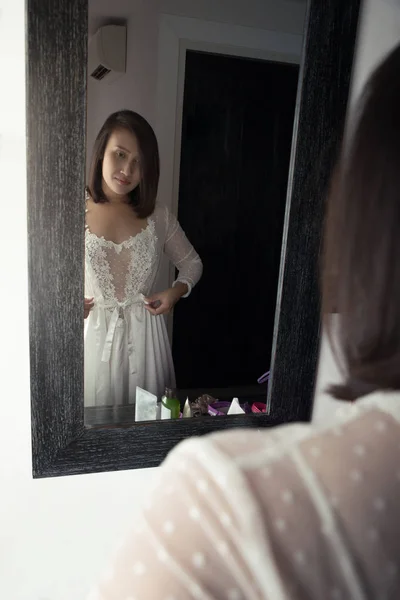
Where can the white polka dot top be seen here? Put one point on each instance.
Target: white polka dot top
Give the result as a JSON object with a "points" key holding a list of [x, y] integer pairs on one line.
{"points": [[295, 512]]}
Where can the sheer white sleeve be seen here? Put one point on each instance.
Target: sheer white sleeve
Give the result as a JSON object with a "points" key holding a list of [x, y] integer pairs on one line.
{"points": [[181, 253], [192, 540]]}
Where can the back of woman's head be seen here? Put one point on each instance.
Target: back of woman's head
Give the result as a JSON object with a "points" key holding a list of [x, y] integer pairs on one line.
{"points": [[361, 280]]}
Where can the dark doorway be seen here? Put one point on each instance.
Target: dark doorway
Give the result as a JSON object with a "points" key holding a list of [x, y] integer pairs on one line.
{"points": [[236, 139]]}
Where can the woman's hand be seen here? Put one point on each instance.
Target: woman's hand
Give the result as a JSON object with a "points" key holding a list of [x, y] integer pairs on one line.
{"points": [[164, 302], [89, 303]]}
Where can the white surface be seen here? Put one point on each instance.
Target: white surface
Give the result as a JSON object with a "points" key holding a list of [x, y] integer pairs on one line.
{"points": [[107, 48]]}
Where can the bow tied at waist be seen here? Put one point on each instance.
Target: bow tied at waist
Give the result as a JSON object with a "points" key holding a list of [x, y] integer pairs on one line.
{"points": [[118, 316]]}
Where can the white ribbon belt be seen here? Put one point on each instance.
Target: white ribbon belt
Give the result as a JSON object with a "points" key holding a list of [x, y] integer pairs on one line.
{"points": [[137, 302]]}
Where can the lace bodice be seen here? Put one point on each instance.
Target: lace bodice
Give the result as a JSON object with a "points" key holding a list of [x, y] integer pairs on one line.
{"points": [[116, 273], [122, 270]]}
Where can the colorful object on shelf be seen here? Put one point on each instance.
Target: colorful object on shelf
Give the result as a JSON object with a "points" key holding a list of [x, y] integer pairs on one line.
{"points": [[199, 407], [146, 405], [220, 408], [235, 408], [206, 405], [264, 378], [187, 412], [258, 407], [170, 405]]}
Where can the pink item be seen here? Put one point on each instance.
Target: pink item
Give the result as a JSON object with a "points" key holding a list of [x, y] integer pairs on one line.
{"points": [[259, 407]]}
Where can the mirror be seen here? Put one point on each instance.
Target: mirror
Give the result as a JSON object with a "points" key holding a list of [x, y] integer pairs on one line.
{"points": [[182, 262], [68, 438]]}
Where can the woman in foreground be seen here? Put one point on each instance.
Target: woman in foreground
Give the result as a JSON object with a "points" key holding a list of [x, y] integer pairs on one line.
{"points": [[300, 512]]}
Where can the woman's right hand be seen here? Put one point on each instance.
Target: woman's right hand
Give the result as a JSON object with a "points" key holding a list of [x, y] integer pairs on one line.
{"points": [[89, 303]]}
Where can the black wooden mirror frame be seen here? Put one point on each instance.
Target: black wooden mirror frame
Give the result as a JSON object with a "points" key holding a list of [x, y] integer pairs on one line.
{"points": [[57, 33]]}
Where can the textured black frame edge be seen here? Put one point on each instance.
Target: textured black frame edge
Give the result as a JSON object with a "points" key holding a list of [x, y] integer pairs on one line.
{"points": [[56, 47], [56, 121], [325, 75]]}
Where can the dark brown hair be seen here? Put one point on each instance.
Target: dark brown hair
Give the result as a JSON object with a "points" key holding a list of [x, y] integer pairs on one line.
{"points": [[143, 197], [361, 277]]}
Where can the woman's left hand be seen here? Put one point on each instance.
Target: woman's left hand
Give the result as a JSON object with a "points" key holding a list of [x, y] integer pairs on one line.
{"points": [[163, 302]]}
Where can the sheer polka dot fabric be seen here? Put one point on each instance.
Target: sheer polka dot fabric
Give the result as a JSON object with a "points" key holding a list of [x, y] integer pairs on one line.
{"points": [[289, 513]]}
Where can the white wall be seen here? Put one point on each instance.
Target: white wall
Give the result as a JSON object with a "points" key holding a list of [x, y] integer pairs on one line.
{"points": [[379, 32], [137, 89]]}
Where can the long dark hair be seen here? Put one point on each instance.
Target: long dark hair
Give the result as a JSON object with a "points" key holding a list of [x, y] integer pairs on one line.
{"points": [[361, 277], [143, 197]]}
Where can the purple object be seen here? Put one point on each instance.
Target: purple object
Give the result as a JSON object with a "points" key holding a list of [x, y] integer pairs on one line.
{"points": [[214, 412], [220, 408], [264, 377]]}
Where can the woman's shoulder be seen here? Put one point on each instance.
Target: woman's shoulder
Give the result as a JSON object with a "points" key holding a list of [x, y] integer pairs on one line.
{"points": [[270, 500], [244, 447], [161, 216], [254, 449], [160, 211]]}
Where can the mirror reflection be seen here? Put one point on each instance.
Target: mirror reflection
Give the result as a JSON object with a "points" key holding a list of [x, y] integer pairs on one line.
{"points": [[189, 133]]}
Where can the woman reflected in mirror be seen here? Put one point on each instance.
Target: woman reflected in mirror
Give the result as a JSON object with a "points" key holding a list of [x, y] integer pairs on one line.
{"points": [[126, 236]]}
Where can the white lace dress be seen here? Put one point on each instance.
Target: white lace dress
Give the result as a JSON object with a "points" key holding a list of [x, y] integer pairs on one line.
{"points": [[126, 346]]}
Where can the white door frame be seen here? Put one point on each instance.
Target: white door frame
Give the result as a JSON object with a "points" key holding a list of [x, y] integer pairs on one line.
{"points": [[176, 36]]}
